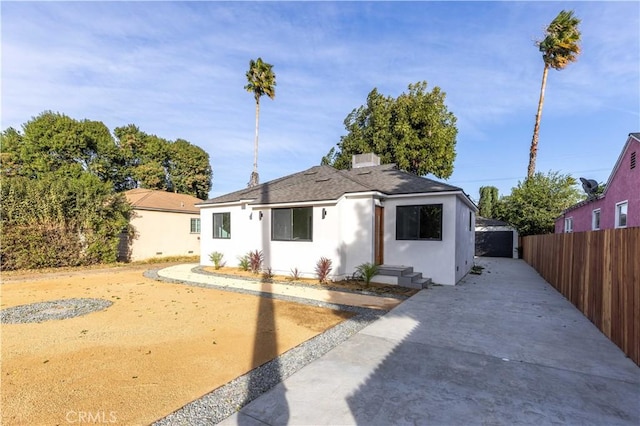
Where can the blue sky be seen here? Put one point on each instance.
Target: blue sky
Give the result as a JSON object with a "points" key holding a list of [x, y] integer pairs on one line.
{"points": [[177, 70]]}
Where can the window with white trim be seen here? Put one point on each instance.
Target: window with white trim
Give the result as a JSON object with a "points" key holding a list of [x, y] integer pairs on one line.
{"points": [[195, 225], [222, 225], [568, 224], [595, 219], [621, 214], [294, 224]]}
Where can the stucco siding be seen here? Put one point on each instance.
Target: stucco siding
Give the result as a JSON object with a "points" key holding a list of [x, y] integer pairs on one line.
{"points": [[356, 233], [245, 234], [249, 232], [163, 234], [465, 239], [435, 259], [283, 256], [343, 232]]}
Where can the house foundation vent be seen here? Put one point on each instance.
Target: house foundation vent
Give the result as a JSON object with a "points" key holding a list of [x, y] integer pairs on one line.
{"points": [[365, 160]]}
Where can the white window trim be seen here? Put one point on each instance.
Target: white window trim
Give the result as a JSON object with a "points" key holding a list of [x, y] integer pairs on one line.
{"points": [[593, 219], [568, 221], [618, 205]]}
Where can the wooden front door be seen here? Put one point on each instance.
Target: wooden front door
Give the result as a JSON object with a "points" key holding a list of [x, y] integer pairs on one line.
{"points": [[379, 236]]}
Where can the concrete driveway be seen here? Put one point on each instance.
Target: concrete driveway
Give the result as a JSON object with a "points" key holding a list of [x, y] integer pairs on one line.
{"points": [[500, 348]]}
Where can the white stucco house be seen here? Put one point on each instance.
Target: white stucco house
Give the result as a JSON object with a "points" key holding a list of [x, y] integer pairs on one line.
{"points": [[370, 213]]}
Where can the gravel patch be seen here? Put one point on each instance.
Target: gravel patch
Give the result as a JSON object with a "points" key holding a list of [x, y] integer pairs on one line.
{"points": [[52, 310], [231, 397], [226, 400]]}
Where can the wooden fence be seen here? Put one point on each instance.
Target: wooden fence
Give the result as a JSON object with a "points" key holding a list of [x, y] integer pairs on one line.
{"points": [[599, 272]]}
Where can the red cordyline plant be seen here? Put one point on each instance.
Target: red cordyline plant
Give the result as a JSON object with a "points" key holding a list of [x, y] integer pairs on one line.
{"points": [[323, 268], [255, 261]]}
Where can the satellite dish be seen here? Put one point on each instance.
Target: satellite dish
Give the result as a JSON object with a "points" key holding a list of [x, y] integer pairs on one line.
{"points": [[590, 186]]}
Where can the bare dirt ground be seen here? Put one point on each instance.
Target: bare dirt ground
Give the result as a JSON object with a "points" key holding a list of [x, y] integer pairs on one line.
{"points": [[158, 347]]}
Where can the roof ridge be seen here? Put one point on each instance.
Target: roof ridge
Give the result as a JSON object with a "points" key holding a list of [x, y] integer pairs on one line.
{"points": [[345, 173], [289, 177], [144, 197]]}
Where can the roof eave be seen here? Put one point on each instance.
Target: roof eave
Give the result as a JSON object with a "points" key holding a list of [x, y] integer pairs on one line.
{"points": [[632, 136]]}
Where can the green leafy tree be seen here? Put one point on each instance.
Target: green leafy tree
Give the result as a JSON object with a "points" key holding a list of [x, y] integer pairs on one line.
{"points": [[534, 204], [59, 200], [145, 159], [54, 142], [10, 159], [559, 48], [261, 80], [189, 169], [488, 200], [416, 131], [149, 161]]}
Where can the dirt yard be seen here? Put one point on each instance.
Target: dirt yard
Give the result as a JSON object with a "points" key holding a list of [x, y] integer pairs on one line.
{"points": [[156, 348]]}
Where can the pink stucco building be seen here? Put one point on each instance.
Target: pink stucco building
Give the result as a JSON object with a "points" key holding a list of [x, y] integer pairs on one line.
{"points": [[618, 206]]}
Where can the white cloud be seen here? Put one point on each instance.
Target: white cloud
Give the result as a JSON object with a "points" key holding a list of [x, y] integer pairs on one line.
{"points": [[177, 70]]}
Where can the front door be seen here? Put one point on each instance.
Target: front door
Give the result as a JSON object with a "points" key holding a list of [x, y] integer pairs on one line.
{"points": [[379, 236]]}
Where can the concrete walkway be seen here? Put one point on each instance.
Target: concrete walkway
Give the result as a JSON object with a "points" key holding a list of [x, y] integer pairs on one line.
{"points": [[500, 348]]}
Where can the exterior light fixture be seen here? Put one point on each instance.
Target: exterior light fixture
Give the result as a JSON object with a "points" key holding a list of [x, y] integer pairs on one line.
{"points": [[324, 212]]}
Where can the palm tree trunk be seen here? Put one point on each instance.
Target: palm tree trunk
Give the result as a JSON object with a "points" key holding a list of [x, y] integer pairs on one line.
{"points": [[255, 180], [533, 152]]}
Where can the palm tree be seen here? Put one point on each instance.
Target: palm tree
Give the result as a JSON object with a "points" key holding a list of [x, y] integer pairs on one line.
{"points": [[559, 48], [261, 81]]}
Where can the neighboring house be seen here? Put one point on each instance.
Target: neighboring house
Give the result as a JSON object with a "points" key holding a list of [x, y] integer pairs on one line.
{"points": [[370, 213], [618, 206], [164, 224], [495, 238]]}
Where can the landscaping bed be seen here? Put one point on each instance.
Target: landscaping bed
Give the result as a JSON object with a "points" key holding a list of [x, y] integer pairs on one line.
{"points": [[348, 285]]}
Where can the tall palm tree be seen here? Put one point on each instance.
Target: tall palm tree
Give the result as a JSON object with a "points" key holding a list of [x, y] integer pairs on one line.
{"points": [[559, 48], [261, 81]]}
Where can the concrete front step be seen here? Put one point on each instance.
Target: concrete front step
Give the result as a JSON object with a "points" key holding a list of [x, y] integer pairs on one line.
{"points": [[402, 276], [394, 271]]}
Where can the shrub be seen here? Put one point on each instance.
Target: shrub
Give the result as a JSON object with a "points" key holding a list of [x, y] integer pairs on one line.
{"points": [[295, 274], [255, 261], [323, 267], [216, 258], [243, 262], [267, 275], [367, 271]]}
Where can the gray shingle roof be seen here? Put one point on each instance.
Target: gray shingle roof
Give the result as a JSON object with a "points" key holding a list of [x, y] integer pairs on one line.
{"points": [[484, 221], [321, 183]]}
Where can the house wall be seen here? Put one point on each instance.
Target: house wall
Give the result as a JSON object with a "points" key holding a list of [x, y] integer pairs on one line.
{"points": [[163, 234], [435, 259], [249, 233], [623, 186], [356, 232], [245, 234], [465, 239], [346, 236], [286, 255]]}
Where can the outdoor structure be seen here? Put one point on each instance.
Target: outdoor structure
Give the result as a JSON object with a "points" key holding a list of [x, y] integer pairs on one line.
{"points": [[495, 238], [371, 213], [164, 224], [618, 206]]}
